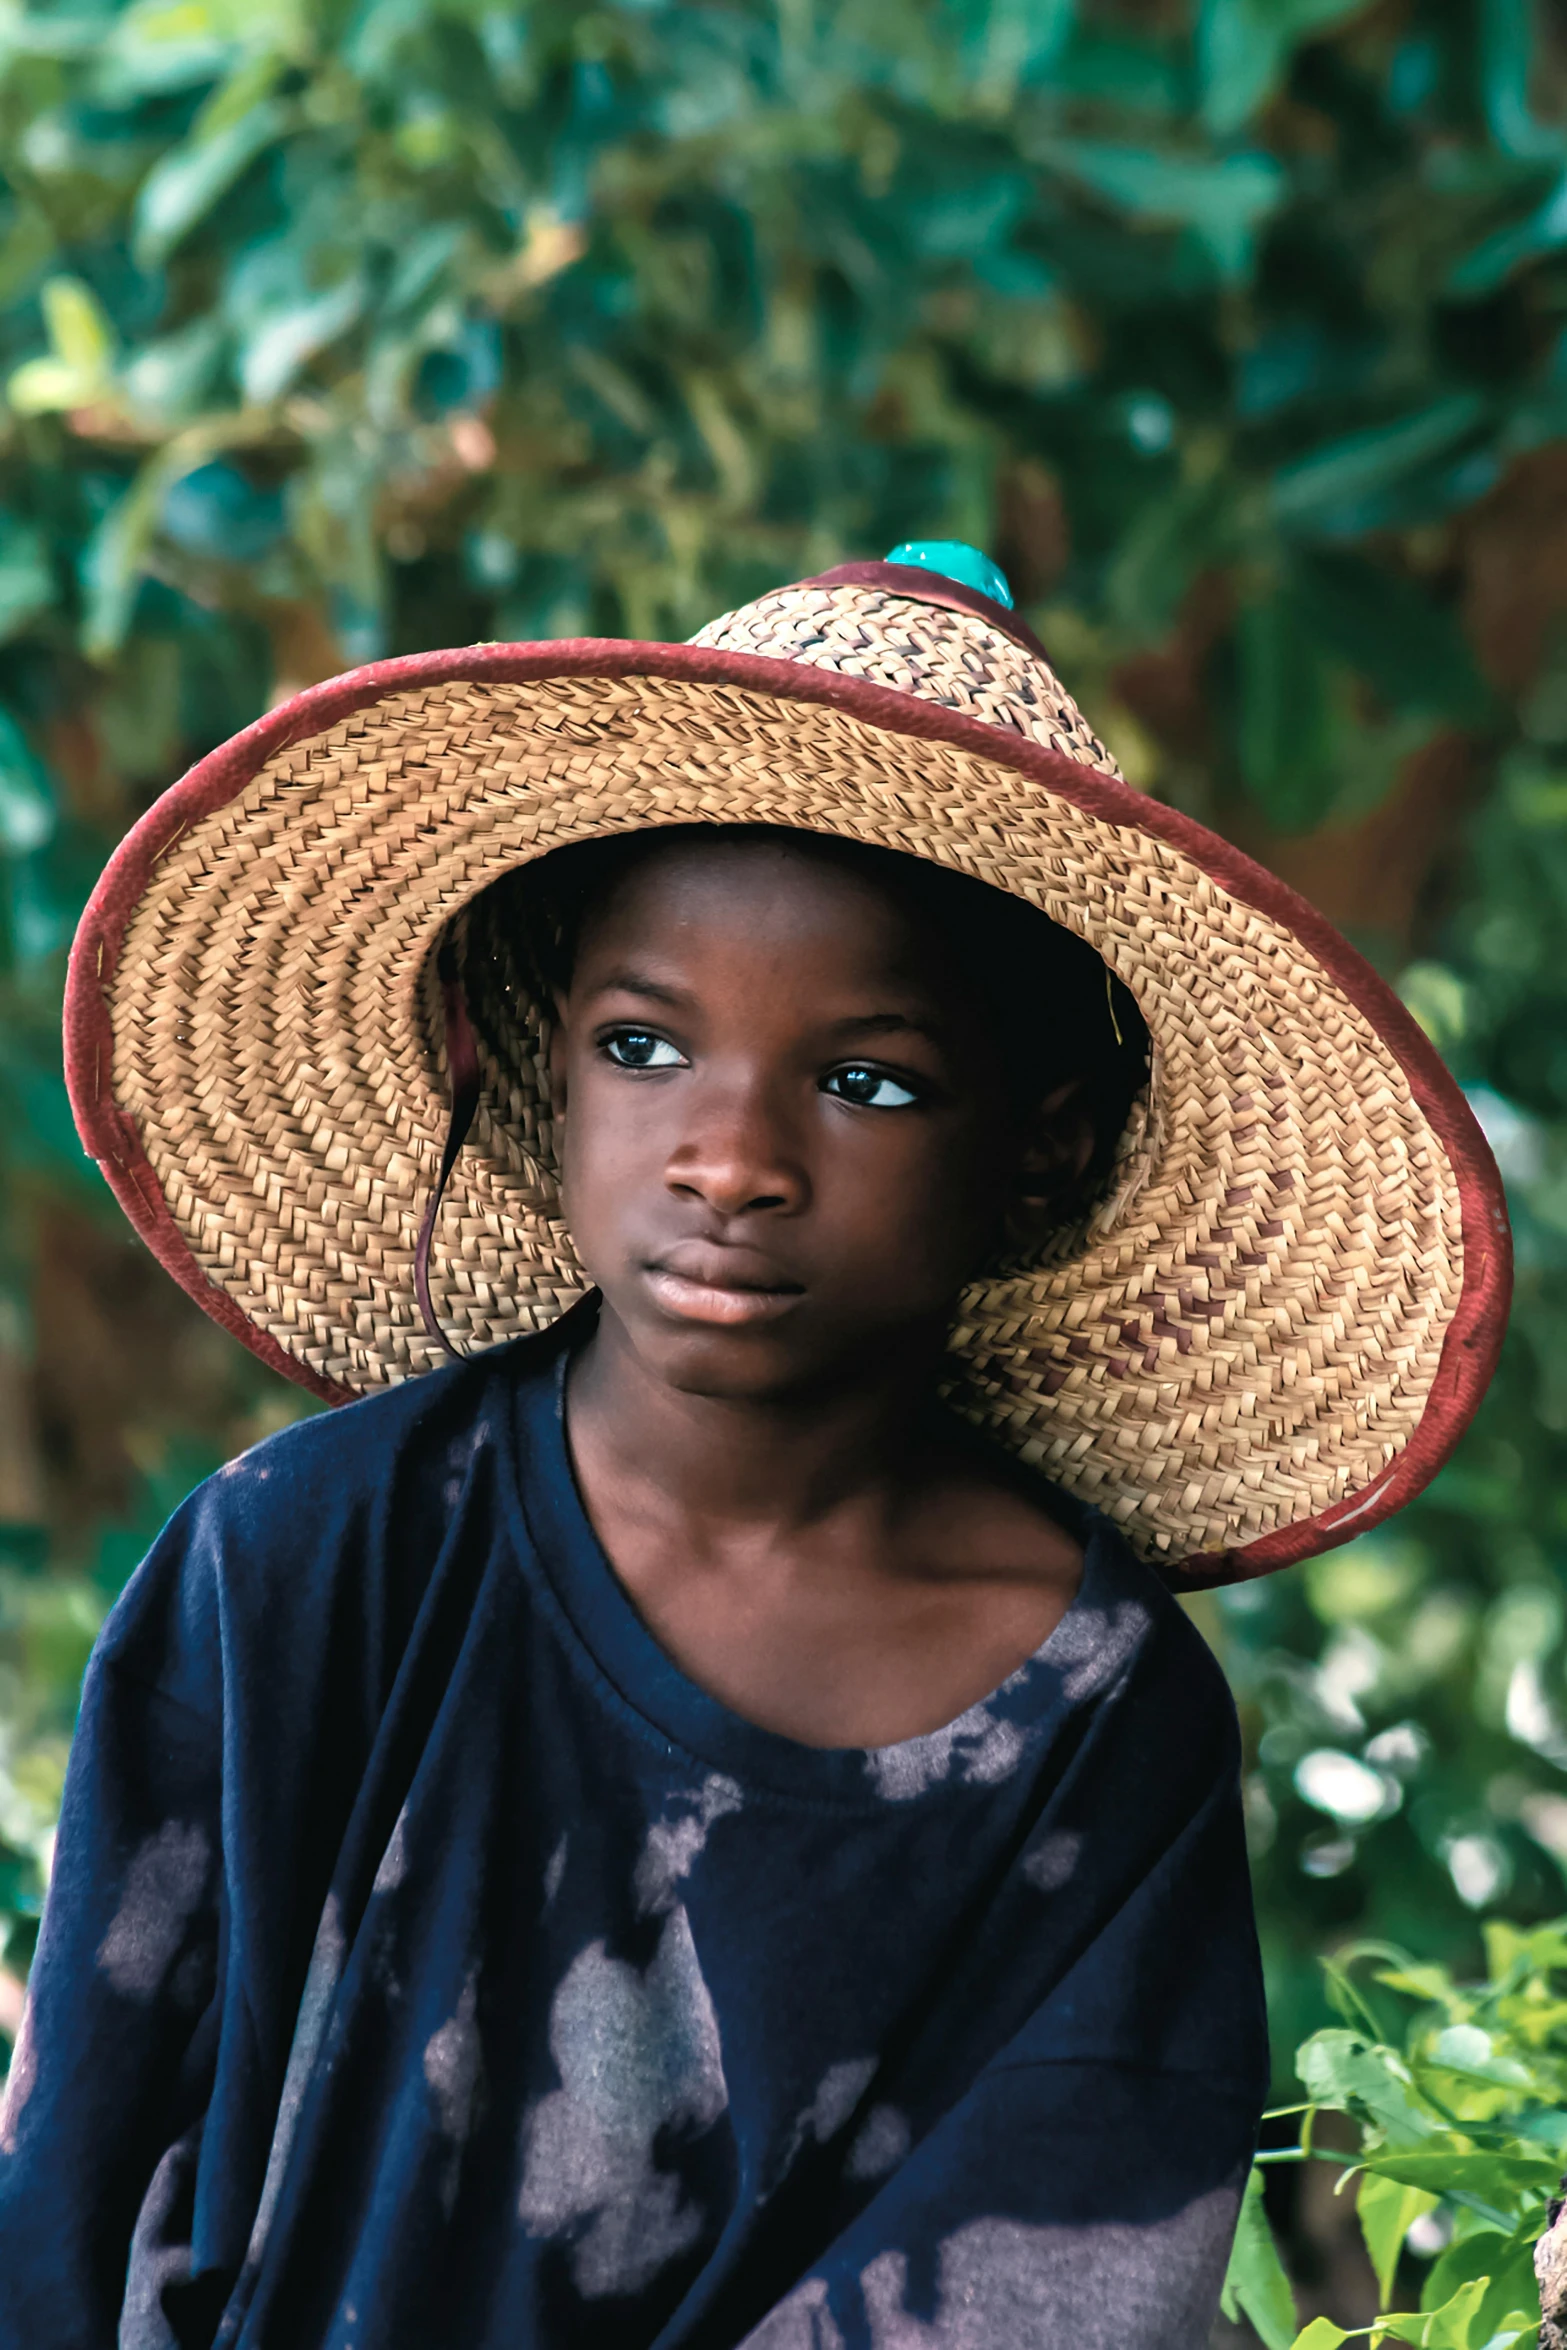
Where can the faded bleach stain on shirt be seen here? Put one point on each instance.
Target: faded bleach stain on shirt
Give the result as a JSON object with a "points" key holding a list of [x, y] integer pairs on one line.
{"points": [[638, 2055], [429, 1965], [1003, 2285]]}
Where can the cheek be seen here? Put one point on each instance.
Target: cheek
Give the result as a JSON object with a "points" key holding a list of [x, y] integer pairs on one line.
{"points": [[927, 1199], [598, 1152]]}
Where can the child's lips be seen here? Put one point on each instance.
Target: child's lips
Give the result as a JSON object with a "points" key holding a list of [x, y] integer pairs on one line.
{"points": [[694, 1283]]}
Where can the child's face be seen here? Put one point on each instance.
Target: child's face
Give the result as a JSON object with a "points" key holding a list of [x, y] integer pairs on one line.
{"points": [[786, 1142]]}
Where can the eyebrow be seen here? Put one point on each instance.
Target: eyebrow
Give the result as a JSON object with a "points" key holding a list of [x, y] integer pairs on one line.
{"points": [[626, 981], [890, 1024]]}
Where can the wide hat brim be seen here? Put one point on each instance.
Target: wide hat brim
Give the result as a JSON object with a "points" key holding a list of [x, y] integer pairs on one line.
{"points": [[1268, 1335]]}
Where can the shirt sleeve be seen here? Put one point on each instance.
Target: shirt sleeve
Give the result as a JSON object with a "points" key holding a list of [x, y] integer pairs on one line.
{"points": [[111, 2071]]}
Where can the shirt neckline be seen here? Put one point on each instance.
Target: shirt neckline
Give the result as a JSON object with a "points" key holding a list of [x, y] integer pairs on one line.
{"points": [[617, 1647]]}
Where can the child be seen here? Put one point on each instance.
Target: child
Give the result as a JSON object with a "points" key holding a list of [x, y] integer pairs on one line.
{"points": [[666, 1831]]}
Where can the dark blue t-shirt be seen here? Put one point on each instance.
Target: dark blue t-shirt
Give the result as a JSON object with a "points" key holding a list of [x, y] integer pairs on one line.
{"points": [[430, 1965]]}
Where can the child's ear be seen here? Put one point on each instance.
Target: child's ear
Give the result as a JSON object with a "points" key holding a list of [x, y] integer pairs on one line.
{"points": [[1058, 1142]]}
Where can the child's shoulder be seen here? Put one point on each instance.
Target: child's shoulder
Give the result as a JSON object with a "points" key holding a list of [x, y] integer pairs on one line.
{"points": [[356, 1448], [380, 1475], [420, 1428], [326, 1532], [396, 1439]]}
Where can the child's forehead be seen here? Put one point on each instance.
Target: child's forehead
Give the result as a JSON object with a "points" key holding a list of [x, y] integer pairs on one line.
{"points": [[775, 926], [745, 887]]}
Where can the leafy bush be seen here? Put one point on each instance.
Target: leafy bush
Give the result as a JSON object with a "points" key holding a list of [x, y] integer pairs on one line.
{"points": [[1461, 2130]]}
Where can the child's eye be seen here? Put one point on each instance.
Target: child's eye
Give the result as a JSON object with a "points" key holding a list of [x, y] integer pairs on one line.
{"points": [[639, 1048], [872, 1089]]}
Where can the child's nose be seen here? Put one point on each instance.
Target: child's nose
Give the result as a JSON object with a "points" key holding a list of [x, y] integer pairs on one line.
{"points": [[738, 1153]]}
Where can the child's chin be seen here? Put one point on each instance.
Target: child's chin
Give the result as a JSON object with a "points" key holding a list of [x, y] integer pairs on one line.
{"points": [[744, 1363]]}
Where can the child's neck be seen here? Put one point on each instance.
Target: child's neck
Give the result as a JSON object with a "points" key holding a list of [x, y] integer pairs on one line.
{"points": [[783, 1463], [843, 1568]]}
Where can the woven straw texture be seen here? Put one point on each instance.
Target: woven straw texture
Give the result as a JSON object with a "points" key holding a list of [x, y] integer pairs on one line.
{"points": [[1245, 1333], [946, 657]]}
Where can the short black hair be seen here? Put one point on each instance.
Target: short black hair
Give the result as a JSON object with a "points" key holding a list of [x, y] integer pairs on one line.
{"points": [[1018, 962]]}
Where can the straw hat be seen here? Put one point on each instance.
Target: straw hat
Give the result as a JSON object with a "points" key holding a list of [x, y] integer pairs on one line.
{"points": [[1269, 1332]]}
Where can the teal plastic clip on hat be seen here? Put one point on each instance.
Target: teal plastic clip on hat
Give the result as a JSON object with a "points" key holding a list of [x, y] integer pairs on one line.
{"points": [[954, 560]]}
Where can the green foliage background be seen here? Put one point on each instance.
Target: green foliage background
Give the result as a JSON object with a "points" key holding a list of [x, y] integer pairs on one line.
{"points": [[1234, 328]]}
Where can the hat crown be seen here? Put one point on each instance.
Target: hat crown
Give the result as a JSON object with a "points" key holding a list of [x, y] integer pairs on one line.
{"points": [[951, 643]]}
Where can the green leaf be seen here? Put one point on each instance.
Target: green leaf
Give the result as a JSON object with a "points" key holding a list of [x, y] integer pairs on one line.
{"points": [[165, 45], [1341, 2069], [1507, 52], [43, 387], [1494, 259], [1285, 718], [1244, 48], [27, 581], [1175, 537], [115, 556], [1354, 468], [1430, 1983], [112, 561], [1502, 2265], [170, 378], [1255, 2285], [1395, 633], [27, 242], [1387, 2209], [27, 810], [79, 332], [1464, 2048], [1480, 2253], [1017, 41], [81, 343], [251, 82], [288, 338], [1321, 2334], [1447, 2170], [1452, 2327], [1223, 201], [1516, 1952], [181, 190]]}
